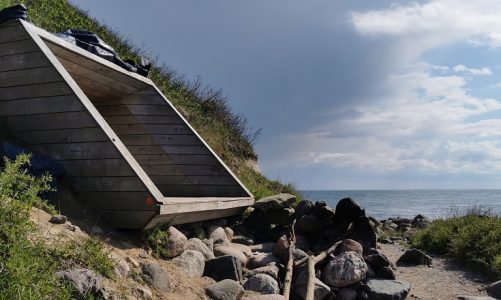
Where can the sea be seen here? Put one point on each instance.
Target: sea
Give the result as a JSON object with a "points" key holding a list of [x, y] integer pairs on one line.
{"points": [[434, 204]]}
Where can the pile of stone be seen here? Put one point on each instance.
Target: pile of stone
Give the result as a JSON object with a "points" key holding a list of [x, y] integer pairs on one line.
{"points": [[400, 228], [248, 258]]}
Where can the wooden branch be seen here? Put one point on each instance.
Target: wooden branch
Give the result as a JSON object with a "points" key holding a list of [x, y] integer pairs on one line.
{"points": [[290, 263]]}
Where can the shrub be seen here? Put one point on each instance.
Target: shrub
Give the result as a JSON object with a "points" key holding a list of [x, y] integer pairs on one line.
{"points": [[158, 240]]}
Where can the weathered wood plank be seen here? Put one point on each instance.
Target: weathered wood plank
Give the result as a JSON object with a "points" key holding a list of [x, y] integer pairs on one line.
{"points": [[184, 170], [118, 200], [183, 159], [138, 99], [40, 105], [201, 191], [189, 181], [126, 219], [12, 33], [16, 47], [159, 139], [97, 150], [23, 61], [49, 121], [95, 184], [35, 90], [63, 136], [124, 120], [97, 167], [150, 129], [78, 59], [136, 110], [168, 149], [29, 76]]}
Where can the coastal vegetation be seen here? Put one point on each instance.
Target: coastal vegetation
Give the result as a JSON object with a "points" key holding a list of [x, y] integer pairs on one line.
{"points": [[473, 239]]}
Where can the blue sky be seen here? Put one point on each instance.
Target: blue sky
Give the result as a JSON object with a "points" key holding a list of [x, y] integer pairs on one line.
{"points": [[355, 95]]}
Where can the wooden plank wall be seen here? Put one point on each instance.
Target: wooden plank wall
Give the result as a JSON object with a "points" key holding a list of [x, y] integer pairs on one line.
{"points": [[170, 153], [40, 110]]}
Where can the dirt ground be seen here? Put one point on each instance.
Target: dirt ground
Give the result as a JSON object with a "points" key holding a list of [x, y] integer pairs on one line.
{"points": [[442, 281]]}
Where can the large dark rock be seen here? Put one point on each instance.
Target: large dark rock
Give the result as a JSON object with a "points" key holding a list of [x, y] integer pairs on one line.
{"points": [[420, 221], [157, 277], [262, 283], [58, 219], [275, 202], [271, 270], [385, 273], [225, 290], [349, 245], [377, 260], [414, 257], [494, 289], [223, 267], [348, 209], [304, 207], [346, 293], [365, 234], [281, 216], [378, 289], [308, 225], [85, 281]]}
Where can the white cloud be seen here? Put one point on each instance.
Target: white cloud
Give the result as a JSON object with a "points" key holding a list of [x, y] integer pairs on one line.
{"points": [[472, 71], [436, 22], [430, 123]]}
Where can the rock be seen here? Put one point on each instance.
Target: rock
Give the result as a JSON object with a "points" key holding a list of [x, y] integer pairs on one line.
{"points": [[220, 222], [227, 250], [322, 211], [209, 243], [145, 293], [345, 269], [304, 207], [218, 235], [199, 233], [420, 221], [365, 234], [494, 289], [378, 289], [385, 273], [198, 245], [271, 270], [177, 242], [242, 239], [370, 272], [85, 281], [262, 283], [348, 209], [243, 248], [281, 249], [72, 228], [281, 216], [58, 219], [349, 245], [298, 254], [225, 290], [266, 247], [462, 297], [300, 283], [223, 267], [400, 221], [229, 233], [143, 254], [346, 293], [132, 261], [414, 257], [255, 296], [275, 202], [122, 268], [157, 277], [191, 262], [262, 259], [308, 225], [377, 260]]}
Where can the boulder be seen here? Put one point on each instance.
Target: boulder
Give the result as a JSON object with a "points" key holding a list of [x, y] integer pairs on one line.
{"points": [[377, 260], [177, 242], [346, 293], [414, 257], [225, 290], [365, 234], [275, 202], [191, 262], [304, 207], [385, 273], [85, 281], [58, 219], [227, 250], [218, 235], [298, 254], [243, 248], [494, 289], [157, 277], [401, 221], [302, 242], [345, 269], [300, 283], [122, 268], [266, 247], [348, 209], [349, 245], [223, 267], [198, 245], [262, 283], [281, 216], [144, 293], [378, 289], [281, 249], [420, 221], [255, 296], [271, 270], [262, 259], [242, 239], [229, 233], [307, 224]]}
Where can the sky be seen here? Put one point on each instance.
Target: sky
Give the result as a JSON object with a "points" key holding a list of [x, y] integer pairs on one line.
{"points": [[348, 94]]}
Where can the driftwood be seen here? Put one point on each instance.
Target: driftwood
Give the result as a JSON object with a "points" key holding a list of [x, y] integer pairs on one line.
{"points": [[290, 263], [312, 261]]}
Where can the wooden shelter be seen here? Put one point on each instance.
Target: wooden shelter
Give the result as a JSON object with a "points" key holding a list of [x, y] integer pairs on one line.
{"points": [[126, 151]]}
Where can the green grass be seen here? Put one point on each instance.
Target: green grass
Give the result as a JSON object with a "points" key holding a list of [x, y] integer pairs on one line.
{"points": [[158, 240], [205, 108], [474, 240]]}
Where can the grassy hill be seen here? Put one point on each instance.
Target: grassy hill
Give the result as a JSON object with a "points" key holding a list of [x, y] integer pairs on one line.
{"points": [[206, 109]]}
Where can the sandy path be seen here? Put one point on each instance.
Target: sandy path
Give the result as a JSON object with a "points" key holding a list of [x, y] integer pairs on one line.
{"points": [[444, 280]]}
